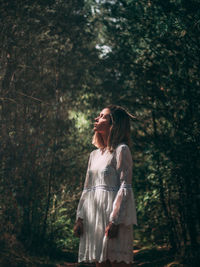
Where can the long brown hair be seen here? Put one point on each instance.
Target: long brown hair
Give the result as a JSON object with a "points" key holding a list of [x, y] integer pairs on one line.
{"points": [[119, 130]]}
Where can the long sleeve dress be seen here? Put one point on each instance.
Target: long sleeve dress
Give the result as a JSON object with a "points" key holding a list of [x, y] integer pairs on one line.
{"points": [[107, 196]]}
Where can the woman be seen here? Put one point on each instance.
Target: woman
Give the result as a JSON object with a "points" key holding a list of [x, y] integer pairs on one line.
{"points": [[106, 210]]}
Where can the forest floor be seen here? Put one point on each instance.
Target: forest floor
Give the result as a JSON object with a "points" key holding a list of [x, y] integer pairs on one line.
{"points": [[154, 257], [144, 257]]}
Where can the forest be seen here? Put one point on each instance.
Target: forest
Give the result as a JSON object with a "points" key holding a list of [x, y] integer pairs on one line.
{"points": [[61, 63]]}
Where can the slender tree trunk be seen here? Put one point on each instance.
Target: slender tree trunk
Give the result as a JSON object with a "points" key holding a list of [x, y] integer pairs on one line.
{"points": [[172, 232]]}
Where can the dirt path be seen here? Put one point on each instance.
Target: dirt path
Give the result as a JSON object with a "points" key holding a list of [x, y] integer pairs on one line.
{"points": [[142, 258], [156, 257]]}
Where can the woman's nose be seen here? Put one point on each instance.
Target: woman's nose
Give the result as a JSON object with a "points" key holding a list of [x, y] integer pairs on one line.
{"points": [[96, 119]]}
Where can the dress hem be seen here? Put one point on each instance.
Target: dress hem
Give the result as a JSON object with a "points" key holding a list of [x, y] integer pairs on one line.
{"points": [[112, 261]]}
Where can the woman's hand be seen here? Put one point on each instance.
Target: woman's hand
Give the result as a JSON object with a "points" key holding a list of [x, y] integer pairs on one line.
{"points": [[78, 227], [111, 230]]}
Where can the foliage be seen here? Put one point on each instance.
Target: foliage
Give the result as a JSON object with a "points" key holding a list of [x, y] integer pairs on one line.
{"points": [[45, 57], [61, 62], [152, 69]]}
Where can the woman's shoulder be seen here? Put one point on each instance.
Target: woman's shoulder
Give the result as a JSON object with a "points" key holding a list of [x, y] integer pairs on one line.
{"points": [[123, 149], [123, 153], [122, 146], [94, 152]]}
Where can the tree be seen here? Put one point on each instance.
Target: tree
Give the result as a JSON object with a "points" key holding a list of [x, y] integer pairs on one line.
{"points": [[152, 69], [45, 59]]}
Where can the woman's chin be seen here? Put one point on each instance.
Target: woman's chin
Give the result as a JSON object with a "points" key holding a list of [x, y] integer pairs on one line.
{"points": [[96, 129]]}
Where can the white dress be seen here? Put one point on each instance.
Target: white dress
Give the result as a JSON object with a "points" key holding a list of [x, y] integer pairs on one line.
{"points": [[107, 196]]}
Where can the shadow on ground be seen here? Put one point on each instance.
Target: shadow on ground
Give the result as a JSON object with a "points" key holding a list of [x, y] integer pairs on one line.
{"points": [[153, 258], [149, 257]]}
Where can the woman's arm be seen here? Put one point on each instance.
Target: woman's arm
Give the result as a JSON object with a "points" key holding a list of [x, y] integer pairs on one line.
{"points": [[124, 211], [78, 227]]}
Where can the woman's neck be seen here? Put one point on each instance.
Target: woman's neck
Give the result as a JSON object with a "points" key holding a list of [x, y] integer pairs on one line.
{"points": [[105, 138]]}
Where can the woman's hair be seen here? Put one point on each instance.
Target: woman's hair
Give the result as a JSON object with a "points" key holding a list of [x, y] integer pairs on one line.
{"points": [[119, 130]]}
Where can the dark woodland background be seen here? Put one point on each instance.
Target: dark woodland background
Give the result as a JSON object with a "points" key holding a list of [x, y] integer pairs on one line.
{"points": [[61, 62]]}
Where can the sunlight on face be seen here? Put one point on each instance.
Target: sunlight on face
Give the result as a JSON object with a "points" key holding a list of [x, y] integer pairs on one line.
{"points": [[102, 122]]}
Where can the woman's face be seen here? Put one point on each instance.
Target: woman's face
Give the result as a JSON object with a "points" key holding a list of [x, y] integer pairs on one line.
{"points": [[103, 121]]}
